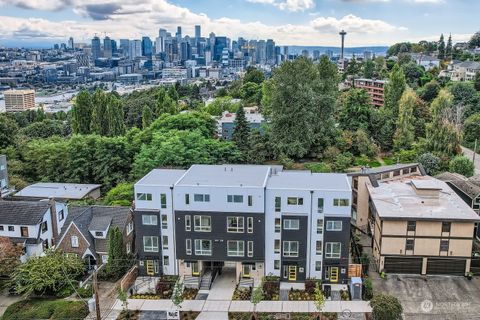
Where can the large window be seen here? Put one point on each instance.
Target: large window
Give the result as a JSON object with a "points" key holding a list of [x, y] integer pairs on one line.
{"points": [[235, 224], [144, 196], [320, 205], [341, 202], [201, 197], [250, 224], [202, 223], [150, 244], [334, 225], [318, 247], [163, 201], [149, 220], [411, 225], [235, 198], [294, 201], [291, 224], [290, 248], [319, 226], [203, 247], [235, 248], [278, 204], [333, 250]]}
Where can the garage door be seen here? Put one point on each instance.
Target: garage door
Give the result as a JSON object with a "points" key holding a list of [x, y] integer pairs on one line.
{"points": [[403, 265], [446, 266]]}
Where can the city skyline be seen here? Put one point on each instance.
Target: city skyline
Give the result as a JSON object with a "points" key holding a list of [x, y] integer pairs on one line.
{"points": [[288, 22]]}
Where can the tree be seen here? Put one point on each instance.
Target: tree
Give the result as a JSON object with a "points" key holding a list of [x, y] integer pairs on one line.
{"points": [[466, 100], [259, 147], [251, 92], [430, 162], [413, 74], [355, 110], [386, 307], [241, 131], [99, 123], [121, 195], [146, 117], [10, 254], [219, 105], [430, 91], [117, 262], [405, 134], [441, 48], [48, 274], [177, 294], [369, 69], [191, 121], [363, 145], [253, 75], [394, 90], [449, 48], [115, 118], [256, 298], [319, 298], [8, 131], [462, 165], [474, 41], [471, 129], [82, 113], [44, 129]]}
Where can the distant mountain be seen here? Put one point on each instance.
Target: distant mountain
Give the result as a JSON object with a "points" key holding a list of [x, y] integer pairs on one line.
{"points": [[377, 50]]}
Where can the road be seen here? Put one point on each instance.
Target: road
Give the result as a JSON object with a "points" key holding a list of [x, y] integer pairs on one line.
{"points": [[469, 153]]}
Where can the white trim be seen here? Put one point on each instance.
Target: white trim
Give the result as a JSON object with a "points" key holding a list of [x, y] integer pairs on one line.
{"points": [[66, 231], [88, 252]]}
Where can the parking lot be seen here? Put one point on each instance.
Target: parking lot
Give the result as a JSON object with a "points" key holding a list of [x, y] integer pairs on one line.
{"points": [[433, 297]]}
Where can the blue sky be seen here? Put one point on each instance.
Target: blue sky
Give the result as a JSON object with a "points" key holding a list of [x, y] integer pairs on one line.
{"points": [[288, 22]]}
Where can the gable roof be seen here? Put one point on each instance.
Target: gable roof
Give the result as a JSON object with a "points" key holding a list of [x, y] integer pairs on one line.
{"points": [[462, 183], [22, 212]]}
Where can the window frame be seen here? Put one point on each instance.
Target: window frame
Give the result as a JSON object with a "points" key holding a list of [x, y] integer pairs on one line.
{"points": [[144, 196], [409, 245], [333, 225], [289, 252], [411, 226], [74, 244], [448, 229], [188, 246], [188, 222], [164, 221], [317, 251], [164, 247], [444, 245], [163, 200], [240, 228], [278, 226], [250, 249], [341, 202], [200, 251], [201, 197], [249, 224], [277, 246], [320, 226], [43, 227], [295, 201], [330, 253], [153, 247], [150, 217], [278, 204], [234, 198], [200, 227], [287, 224], [320, 205], [240, 248]]}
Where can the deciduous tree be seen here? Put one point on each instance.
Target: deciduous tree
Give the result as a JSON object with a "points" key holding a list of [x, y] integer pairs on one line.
{"points": [[10, 254], [405, 134]]}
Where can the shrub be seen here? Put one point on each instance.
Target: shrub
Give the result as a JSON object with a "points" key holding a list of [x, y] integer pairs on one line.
{"points": [[318, 167], [46, 309], [385, 307], [430, 162], [462, 165], [367, 289], [310, 285], [86, 292]]}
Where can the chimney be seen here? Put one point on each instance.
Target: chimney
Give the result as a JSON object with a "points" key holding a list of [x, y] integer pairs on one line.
{"points": [[53, 216]]}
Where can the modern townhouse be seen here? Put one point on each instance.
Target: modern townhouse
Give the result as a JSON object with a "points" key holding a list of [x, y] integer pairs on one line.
{"points": [[256, 220]]}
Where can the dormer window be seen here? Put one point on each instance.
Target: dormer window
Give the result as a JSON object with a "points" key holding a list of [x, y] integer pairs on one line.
{"points": [[98, 233]]}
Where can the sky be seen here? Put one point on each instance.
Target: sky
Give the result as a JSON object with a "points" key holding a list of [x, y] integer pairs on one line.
{"points": [[288, 22]]}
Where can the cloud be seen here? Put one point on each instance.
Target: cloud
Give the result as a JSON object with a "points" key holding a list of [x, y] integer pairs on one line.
{"points": [[288, 5], [52, 5], [353, 24]]}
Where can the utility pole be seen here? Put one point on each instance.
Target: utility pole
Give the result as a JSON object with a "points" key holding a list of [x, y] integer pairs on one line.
{"points": [[95, 294]]}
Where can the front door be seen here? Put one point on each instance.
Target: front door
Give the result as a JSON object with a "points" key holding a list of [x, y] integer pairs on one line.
{"points": [[333, 274], [292, 273], [195, 269], [149, 266], [246, 270]]}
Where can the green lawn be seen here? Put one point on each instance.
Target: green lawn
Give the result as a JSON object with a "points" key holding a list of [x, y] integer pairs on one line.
{"points": [[46, 309]]}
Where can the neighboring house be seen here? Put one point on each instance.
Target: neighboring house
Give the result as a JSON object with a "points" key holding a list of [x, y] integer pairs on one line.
{"points": [[60, 191], [85, 232], [420, 226], [464, 71], [256, 219], [374, 88], [4, 184], [226, 124], [34, 224], [466, 189], [426, 61]]}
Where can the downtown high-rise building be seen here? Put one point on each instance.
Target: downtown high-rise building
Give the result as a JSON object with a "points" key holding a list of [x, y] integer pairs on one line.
{"points": [[270, 51], [135, 49], [198, 32], [96, 48], [178, 35], [147, 47], [107, 47], [71, 44]]}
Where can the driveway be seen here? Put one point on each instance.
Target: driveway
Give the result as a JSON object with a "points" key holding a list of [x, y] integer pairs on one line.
{"points": [[223, 286], [469, 154], [432, 297]]}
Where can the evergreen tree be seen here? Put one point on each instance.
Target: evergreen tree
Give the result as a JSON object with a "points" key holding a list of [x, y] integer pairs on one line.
{"points": [[476, 81], [116, 254], [115, 117], [441, 48], [405, 134], [369, 69], [356, 110], [241, 131], [99, 123], [146, 117], [449, 48], [82, 113]]}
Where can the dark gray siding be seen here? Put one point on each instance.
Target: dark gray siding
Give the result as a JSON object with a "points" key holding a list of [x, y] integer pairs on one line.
{"points": [[220, 236], [344, 238], [3, 173], [300, 236], [141, 231]]}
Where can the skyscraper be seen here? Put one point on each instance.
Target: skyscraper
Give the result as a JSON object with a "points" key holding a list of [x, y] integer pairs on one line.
{"points": [[71, 45], [125, 47], [96, 48], [147, 47], [107, 47], [178, 35], [198, 32], [270, 51], [160, 41], [135, 49], [220, 43]]}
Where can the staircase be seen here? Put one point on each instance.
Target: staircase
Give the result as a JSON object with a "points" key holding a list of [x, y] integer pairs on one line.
{"points": [[206, 281], [245, 283], [191, 282]]}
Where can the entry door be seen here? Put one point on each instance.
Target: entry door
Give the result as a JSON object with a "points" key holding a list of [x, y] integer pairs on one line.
{"points": [[150, 267], [292, 273], [195, 269], [333, 274], [246, 270]]}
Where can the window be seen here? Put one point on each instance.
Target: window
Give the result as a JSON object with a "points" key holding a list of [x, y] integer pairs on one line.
{"points": [[150, 244], [203, 247], [235, 248], [293, 201], [201, 197], [144, 196], [250, 248], [319, 226], [61, 215], [276, 264], [188, 223], [320, 205], [129, 227], [163, 201], [446, 226], [334, 225], [98, 233], [128, 248], [318, 265], [24, 232], [250, 224], [165, 242], [411, 225], [104, 258], [44, 227], [333, 250], [11, 228], [187, 198], [235, 224], [1, 228], [276, 248], [396, 173], [291, 224], [188, 246], [74, 241], [235, 198], [166, 260], [409, 245], [277, 224], [341, 202], [149, 220], [444, 245], [318, 247], [290, 248], [414, 169], [164, 222], [202, 223], [278, 204], [385, 176], [250, 201]]}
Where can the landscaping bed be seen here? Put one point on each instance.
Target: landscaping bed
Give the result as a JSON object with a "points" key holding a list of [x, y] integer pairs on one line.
{"points": [[146, 296], [271, 288], [189, 293], [165, 285], [275, 316], [242, 293], [46, 309], [189, 315], [300, 295]]}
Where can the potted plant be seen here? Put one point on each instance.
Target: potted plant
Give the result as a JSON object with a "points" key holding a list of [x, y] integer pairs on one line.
{"points": [[470, 275]]}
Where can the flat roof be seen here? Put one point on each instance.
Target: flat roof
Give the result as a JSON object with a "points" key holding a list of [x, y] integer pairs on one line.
{"points": [[74, 191], [161, 177], [397, 199], [226, 175], [306, 180]]}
